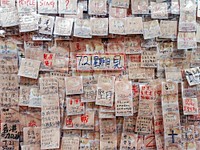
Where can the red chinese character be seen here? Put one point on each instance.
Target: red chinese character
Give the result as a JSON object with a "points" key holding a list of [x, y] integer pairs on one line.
{"points": [[50, 56], [84, 118], [45, 56], [70, 102], [46, 63], [32, 124], [77, 101], [69, 121]]}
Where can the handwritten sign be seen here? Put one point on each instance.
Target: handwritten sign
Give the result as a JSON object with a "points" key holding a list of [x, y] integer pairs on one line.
{"points": [[146, 108], [170, 106], [151, 29], [139, 7], [120, 3], [10, 17], [28, 22], [69, 143], [50, 138], [108, 141], [9, 98], [100, 62], [63, 26], [50, 116], [168, 29], [10, 115], [26, 6], [47, 6], [147, 92], [99, 26], [149, 59], [74, 85], [24, 95], [108, 137], [48, 85], [134, 25], [173, 74], [115, 46], [150, 142], [187, 21], [29, 68], [188, 137], [133, 45], [34, 50], [159, 10], [129, 124], [48, 59], [105, 90], [117, 26], [50, 113], [84, 121], [60, 78], [10, 131], [136, 72], [75, 106], [192, 76], [117, 12], [128, 141], [159, 140], [8, 66], [10, 144], [8, 3], [123, 98], [175, 7], [9, 82], [144, 124], [97, 7], [31, 135], [45, 24], [34, 98], [190, 106], [82, 28], [67, 7], [187, 40], [173, 136], [90, 92], [158, 125]]}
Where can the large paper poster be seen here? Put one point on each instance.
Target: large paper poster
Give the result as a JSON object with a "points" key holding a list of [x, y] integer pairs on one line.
{"points": [[100, 62]]}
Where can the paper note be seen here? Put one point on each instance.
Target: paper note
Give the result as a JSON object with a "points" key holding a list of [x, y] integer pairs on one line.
{"points": [[29, 68]]}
